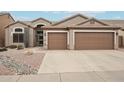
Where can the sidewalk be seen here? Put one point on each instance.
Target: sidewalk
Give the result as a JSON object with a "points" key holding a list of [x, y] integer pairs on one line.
{"points": [[107, 76]]}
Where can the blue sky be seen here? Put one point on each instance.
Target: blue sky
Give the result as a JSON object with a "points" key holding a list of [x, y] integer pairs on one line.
{"points": [[59, 15]]}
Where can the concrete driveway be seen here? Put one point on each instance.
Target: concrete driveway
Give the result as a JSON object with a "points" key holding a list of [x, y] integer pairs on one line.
{"points": [[82, 61], [89, 65]]}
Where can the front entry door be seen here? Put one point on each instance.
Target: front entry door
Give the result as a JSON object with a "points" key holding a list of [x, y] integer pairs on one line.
{"points": [[39, 37], [40, 40]]}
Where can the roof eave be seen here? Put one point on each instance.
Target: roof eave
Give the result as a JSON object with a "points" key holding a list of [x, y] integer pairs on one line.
{"points": [[52, 28], [20, 23], [42, 19], [94, 27]]}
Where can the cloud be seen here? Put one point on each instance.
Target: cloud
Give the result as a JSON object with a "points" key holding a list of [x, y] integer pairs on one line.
{"points": [[54, 12], [117, 17], [22, 18], [66, 14], [88, 13]]}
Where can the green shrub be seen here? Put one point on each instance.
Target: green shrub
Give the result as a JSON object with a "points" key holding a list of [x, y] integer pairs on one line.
{"points": [[19, 47], [12, 46], [3, 49]]}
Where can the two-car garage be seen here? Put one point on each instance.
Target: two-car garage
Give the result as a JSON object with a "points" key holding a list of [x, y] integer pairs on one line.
{"points": [[81, 40], [94, 40]]}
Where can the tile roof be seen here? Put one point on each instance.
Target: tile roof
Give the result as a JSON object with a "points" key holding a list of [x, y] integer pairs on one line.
{"points": [[42, 19], [115, 22], [94, 19], [68, 18]]}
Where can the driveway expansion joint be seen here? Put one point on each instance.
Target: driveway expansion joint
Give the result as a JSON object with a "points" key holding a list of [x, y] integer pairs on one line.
{"points": [[60, 77], [99, 76], [19, 78]]}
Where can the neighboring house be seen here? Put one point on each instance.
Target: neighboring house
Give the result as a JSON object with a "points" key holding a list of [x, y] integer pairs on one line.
{"points": [[76, 32], [5, 20]]}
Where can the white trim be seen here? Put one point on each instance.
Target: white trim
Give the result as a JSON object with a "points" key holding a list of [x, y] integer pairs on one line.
{"points": [[100, 31], [13, 32], [16, 28], [57, 32], [39, 24], [94, 31]]}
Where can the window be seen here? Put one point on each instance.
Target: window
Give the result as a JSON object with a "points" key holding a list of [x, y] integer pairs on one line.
{"points": [[40, 37], [40, 25], [15, 38], [18, 30], [39, 32], [18, 37], [40, 42]]}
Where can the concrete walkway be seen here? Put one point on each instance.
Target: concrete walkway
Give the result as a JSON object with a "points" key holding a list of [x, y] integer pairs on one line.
{"points": [[108, 76]]}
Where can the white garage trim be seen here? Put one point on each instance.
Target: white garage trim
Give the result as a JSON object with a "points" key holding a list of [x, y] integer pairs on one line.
{"points": [[57, 32], [115, 37]]}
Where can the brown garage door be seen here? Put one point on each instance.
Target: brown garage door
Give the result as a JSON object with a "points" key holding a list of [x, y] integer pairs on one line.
{"points": [[57, 40], [94, 40]]}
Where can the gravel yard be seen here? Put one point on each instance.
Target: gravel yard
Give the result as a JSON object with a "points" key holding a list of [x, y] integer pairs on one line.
{"points": [[18, 62]]}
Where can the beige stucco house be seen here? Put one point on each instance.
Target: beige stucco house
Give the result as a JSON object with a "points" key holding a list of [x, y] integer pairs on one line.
{"points": [[76, 32]]}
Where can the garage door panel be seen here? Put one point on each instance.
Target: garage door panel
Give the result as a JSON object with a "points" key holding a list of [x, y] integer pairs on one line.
{"points": [[57, 40], [94, 40]]}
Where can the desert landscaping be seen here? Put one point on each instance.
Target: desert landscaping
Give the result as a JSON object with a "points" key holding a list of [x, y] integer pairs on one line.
{"points": [[20, 62]]}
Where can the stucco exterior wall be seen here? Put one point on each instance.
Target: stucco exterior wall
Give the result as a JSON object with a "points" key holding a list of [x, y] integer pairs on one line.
{"points": [[121, 33], [9, 35], [31, 38], [71, 39]]}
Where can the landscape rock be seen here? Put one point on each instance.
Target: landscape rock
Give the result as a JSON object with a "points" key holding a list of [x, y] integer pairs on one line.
{"points": [[18, 68]]}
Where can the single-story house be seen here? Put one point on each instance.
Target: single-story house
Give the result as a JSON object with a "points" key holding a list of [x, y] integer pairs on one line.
{"points": [[77, 32]]}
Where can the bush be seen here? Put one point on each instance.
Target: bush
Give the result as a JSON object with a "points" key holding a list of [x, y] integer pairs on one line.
{"points": [[12, 46], [19, 47], [3, 49]]}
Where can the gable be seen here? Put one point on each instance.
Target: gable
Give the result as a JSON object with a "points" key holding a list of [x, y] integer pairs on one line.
{"points": [[40, 21], [92, 22], [71, 21], [18, 24]]}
